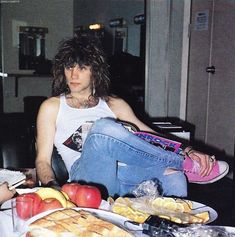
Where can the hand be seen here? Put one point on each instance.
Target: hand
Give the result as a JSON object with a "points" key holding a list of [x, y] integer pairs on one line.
{"points": [[5, 193], [205, 161]]}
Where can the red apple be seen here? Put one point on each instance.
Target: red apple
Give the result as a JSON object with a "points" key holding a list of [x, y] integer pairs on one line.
{"points": [[49, 204], [88, 196], [71, 189]]}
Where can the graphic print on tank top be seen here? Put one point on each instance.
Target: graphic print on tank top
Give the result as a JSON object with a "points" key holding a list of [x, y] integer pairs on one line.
{"points": [[77, 139]]}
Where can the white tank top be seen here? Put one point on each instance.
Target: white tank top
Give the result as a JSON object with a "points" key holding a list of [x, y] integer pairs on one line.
{"points": [[72, 125]]}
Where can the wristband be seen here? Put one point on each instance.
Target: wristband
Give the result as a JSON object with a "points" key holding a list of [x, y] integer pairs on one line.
{"points": [[187, 153]]}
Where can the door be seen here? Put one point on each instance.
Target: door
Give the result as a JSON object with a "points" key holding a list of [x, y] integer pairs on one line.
{"points": [[211, 92]]}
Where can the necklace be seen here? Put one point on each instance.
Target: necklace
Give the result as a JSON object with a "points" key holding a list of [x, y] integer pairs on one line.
{"points": [[77, 103]]}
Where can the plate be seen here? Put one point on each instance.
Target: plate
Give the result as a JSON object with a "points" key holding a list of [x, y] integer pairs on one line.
{"points": [[230, 230], [145, 205], [6, 204], [26, 190], [199, 207], [116, 219]]}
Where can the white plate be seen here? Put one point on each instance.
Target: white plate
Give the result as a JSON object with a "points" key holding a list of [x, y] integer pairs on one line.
{"points": [[230, 230], [6, 204], [26, 190], [103, 214], [199, 207]]}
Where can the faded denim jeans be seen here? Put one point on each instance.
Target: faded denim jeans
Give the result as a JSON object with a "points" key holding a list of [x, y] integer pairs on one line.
{"points": [[119, 160]]}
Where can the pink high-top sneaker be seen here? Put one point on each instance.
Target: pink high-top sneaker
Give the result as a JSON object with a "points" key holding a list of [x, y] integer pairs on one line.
{"points": [[192, 168]]}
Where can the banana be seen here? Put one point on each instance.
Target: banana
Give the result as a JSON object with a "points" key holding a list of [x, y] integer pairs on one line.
{"points": [[70, 204], [48, 192], [65, 195]]}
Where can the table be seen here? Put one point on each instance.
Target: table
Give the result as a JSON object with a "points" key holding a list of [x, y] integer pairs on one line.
{"points": [[6, 229], [6, 226]]}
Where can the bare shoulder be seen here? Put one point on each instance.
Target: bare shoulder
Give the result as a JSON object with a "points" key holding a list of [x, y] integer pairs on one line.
{"points": [[123, 111], [116, 102], [50, 103], [49, 108], [120, 107]]}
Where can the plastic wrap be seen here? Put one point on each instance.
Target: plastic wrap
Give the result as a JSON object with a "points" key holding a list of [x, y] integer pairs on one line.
{"points": [[148, 188], [195, 231], [202, 231], [149, 201], [167, 217]]}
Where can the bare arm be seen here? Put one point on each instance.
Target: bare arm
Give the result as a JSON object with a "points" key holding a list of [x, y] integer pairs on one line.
{"points": [[46, 125], [124, 112]]}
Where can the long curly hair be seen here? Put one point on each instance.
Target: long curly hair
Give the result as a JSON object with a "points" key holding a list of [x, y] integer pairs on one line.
{"points": [[84, 51]]}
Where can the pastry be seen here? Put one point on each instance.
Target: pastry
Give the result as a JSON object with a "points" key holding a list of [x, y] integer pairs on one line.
{"points": [[73, 223]]}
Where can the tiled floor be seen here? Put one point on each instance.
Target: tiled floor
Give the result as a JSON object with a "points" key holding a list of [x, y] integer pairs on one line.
{"points": [[220, 196]]}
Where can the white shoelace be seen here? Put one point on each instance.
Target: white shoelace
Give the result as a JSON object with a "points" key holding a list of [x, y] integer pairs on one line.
{"points": [[196, 167]]}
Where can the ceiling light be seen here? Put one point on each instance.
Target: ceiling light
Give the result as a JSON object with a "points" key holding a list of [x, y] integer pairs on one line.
{"points": [[95, 26]]}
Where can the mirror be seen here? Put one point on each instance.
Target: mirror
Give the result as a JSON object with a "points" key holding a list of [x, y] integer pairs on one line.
{"points": [[61, 19], [26, 52], [31, 46]]}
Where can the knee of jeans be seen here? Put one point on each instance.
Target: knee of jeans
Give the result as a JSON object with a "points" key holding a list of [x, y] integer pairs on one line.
{"points": [[128, 179], [105, 126]]}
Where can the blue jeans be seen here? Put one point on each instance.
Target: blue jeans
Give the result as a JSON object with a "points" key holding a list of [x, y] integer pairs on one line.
{"points": [[119, 160]]}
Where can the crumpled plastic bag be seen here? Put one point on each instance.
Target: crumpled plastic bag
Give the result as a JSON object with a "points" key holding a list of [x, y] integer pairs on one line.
{"points": [[148, 188], [202, 231]]}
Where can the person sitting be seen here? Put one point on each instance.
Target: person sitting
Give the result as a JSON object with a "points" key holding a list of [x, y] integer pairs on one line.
{"points": [[81, 120]]}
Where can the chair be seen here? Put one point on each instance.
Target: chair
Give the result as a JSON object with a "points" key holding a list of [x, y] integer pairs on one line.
{"points": [[59, 168], [16, 153], [31, 106], [16, 142]]}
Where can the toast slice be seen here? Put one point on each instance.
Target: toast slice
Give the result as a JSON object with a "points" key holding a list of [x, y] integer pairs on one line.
{"points": [[73, 223]]}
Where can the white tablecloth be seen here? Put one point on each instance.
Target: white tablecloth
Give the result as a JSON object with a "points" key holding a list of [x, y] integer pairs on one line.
{"points": [[6, 229]]}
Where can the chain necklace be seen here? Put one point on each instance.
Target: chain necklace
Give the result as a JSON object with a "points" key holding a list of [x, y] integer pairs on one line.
{"points": [[77, 103]]}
